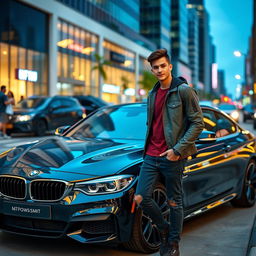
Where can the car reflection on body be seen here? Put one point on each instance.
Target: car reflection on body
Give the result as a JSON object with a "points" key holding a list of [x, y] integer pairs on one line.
{"points": [[230, 110], [81, 184]]}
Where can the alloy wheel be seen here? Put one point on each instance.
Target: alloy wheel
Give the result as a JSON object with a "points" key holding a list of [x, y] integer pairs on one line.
{"points": [[150, 230]]}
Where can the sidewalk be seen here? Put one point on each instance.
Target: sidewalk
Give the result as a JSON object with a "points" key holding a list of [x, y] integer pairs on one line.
{"points": [[251, 251]]}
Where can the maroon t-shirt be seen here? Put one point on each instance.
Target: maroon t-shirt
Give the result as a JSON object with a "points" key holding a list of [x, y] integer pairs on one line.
{"points": [[157, 144]]}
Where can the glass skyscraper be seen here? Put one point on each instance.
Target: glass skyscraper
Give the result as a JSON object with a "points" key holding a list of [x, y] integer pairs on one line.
{"points": [[120, 16], [179, 36], [204, 43], [155, 22]]}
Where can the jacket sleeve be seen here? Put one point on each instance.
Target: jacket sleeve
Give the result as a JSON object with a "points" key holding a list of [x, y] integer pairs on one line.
{"points": [[194, 117]]}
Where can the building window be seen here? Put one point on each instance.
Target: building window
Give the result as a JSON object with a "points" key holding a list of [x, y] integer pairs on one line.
{"points": [[76, 58], [23, 49]]}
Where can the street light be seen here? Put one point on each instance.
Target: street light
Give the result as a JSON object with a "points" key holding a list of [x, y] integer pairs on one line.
{"points": [[238, 77]]}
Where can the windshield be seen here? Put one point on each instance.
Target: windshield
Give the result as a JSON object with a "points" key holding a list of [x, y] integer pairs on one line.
{"points": [[125, 122], [227, 107], [31, 103]]}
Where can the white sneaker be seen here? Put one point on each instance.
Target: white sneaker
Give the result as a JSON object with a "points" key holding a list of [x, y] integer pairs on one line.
{"points": [[5, 136]]}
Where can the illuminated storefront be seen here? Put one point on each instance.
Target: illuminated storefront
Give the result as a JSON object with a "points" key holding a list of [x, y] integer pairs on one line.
{"points": [[76, 59], [50, 49], [120, 74], [23, 49]]}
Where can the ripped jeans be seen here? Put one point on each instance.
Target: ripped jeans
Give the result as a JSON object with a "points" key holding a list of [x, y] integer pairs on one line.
{"points": [[172, 172]]}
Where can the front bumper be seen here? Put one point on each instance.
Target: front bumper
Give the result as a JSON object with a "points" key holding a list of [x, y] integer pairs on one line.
{"points": [[86, 222], [22, 126]]}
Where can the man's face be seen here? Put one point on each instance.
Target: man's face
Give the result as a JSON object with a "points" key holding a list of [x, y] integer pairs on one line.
{"points": [[161, 68], [4, 90]]}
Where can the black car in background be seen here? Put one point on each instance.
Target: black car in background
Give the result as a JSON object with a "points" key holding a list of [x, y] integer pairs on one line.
{"points": [[81, 184], [39, 114], [248, 112], [90, 103]]}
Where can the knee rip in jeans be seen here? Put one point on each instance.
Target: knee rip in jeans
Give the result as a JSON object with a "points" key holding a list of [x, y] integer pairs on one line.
{"points": [[138, 199], [172, 203]]}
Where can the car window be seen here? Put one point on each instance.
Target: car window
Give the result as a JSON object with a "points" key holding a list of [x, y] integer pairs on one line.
{"points": [[31, 103], [55, 104], [67, 103], [86, 102], [127, 122], [210, 121], [224, 126]]}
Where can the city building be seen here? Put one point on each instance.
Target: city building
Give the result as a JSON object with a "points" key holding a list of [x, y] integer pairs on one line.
{"points": [[251, 59], [221, 82], [60, 47], [213, 66], [155, 22], [193, 46], [204, 44], [179, 37]]}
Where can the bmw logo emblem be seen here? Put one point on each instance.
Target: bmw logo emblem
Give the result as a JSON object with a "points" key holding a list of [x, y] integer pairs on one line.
{"points": [[33, 173]]}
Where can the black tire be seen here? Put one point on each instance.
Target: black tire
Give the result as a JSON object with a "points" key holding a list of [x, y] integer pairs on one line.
{"points": [[244, 119], [248, 195], [145, 235], [40, 127]]}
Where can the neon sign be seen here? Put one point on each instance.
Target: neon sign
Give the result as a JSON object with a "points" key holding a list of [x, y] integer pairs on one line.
{"points": [[26, 75]]}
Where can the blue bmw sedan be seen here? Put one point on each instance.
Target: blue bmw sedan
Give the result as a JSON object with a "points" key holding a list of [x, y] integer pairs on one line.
{"points": [[81, 183]]}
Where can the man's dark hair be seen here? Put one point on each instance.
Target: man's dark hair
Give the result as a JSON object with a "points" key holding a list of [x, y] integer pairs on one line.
{"points": [[3, 87], [157, 55]]}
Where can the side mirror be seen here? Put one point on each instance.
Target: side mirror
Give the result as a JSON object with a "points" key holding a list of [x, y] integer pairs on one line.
{"points": [[206, 137], [60, 130]]}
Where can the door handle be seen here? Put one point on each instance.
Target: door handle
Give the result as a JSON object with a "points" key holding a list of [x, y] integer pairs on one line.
{"points": [[227, 148]]}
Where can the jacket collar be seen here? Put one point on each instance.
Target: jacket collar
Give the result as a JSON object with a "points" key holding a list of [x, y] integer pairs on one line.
{"points": [[176, 81]]}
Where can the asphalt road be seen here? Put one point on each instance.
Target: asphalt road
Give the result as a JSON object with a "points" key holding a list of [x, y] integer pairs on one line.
{"points": [[223, 231]]}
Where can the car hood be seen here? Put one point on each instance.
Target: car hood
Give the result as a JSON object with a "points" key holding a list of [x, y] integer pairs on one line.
{"points": [[72, 159]]}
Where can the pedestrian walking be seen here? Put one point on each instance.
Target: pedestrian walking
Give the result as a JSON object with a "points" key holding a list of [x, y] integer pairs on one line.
{"points": [[174, 122], [3, 116], [9, 107]]}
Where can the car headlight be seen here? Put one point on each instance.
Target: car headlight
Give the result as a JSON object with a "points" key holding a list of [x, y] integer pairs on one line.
{"points": [[106, 185], [23, 118], [235, 115], [254, 115]]}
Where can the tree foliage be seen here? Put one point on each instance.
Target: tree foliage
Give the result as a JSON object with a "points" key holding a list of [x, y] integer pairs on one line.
{"points": [[125, 83], [148, 80], [100, 62]]}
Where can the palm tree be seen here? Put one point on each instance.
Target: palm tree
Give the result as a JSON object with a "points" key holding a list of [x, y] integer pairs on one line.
{"points": [[100, 62]]}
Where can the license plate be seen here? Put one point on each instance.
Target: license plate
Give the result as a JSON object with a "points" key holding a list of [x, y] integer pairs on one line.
{"points": [[27, 210]]}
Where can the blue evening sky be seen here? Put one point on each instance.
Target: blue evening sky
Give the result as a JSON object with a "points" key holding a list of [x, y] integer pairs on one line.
{"points": [[230, 26]]}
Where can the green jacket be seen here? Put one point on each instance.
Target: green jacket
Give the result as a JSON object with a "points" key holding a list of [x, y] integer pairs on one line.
{"points": [[182, 117]]}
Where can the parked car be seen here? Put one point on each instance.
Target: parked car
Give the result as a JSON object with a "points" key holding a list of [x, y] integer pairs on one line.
{"points": [[39, 114], [248, 112], [81, 184], [90, 103], [230, 109], [208, 103]]}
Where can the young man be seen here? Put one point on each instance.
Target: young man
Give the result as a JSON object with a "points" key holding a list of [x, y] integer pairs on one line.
{"points": [[3, 115], [174, 123]]}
